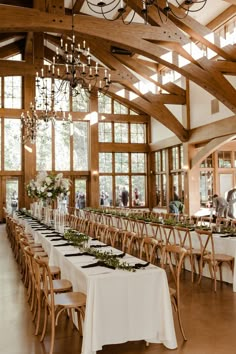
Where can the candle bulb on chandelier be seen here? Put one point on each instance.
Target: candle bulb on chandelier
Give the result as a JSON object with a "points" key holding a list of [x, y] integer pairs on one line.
{"points": [[61, 42], [105, 74], [96, 69], [57, 51], [42, 72], [58, 72], [66, 47], [84, 45]]}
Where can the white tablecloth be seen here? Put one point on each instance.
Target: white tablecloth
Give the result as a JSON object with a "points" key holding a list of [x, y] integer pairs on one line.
{"points": [[121, 306]]}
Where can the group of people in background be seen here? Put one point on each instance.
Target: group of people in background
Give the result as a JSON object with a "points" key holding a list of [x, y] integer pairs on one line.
{"points": [[122, 197]]}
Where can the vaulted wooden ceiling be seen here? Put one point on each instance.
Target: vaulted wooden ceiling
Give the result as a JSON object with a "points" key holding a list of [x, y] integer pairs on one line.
{"points": [[35, 27]]}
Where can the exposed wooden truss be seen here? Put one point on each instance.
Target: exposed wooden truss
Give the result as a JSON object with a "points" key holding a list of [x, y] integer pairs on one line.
{"points": [[148, 45]]}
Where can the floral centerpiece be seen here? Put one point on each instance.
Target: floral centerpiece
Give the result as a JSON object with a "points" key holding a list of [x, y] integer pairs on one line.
{"points": [[48, 186]]}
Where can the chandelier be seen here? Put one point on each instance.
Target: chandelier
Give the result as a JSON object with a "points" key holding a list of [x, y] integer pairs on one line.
{"points": [[73, 71], [36, 121], [105, 8]]}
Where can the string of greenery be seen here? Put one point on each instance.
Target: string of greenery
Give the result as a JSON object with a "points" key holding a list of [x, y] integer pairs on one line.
{"points": [[80, 240]]}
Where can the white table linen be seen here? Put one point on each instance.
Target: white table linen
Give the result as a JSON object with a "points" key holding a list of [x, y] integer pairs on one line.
{"points": [[121, 306]]}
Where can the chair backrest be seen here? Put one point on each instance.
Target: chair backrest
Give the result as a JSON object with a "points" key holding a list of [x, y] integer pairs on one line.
{"points": [[100, 232], [175, 257], [141, 227], [110, 237], [206, 242], [183, 237], [130, 243], [155, 227], [148, 249], [43, 271], [167, 234]]}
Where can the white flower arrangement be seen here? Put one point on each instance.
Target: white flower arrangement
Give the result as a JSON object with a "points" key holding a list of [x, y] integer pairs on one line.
{"points": [[48, 186]]}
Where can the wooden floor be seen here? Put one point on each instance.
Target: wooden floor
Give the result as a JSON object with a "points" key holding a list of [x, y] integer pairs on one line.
{"points": [[209, 319]]}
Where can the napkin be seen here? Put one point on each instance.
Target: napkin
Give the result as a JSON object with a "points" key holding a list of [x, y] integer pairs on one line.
{"points": [[98, 246], [64, 244], [140, 265], [51, 235], [78, 254], [57, 239], [98, 264]]}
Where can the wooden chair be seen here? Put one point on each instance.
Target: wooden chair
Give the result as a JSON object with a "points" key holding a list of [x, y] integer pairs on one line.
{"points": [[167, 234], [59, 286], [141, 226], [183, 239], [149, 249], [100, 232], [56, 304], [131, 243], [178, 254], [208, 255]]}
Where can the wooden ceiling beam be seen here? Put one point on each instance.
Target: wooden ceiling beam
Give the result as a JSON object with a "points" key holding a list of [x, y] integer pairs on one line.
{"points": [[77, 6], [146, 73], [12, 49], [224, 17]]}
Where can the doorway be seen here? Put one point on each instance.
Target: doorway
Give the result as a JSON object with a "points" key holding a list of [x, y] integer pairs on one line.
{"points": [[80, 192], [9, 195]]}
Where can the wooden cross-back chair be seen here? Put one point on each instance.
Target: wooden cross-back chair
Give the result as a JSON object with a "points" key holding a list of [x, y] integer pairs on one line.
{"points": [[130, 243], [208, 256], [149, 249], [176, 253], [56, 304]]}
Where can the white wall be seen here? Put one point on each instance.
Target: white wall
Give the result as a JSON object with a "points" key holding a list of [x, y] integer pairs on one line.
{"points": [[159, 131], [200, 106]]}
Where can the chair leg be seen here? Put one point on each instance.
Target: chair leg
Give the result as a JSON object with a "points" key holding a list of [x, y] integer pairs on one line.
{"points": [[45, 323]]}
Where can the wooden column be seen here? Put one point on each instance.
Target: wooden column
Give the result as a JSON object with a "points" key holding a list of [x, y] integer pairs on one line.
{"points": [[29, 150], [94, 162]]}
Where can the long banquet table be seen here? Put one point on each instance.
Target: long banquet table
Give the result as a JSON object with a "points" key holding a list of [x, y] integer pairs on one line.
{"points": [[121, 305]]}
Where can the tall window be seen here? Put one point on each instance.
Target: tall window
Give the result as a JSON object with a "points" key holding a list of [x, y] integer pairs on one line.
{"points": [[120, 108], [121, 162], [138, 133], [206, 187], [62, 146], [13, 92], [104, 104], [105, 162], [105, 132], [224, 159], [44, 148], [121, 133], [123, 170], [80, 146], [161, 177], [80, 103], [177, 173], [12, 144]]}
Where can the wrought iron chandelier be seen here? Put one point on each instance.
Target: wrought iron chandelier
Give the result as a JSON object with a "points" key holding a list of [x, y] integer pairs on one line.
{"points": [[73, 70], [105, 8], [33, 122]]}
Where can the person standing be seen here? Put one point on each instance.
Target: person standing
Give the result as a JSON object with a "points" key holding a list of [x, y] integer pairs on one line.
{"points": [[14, 202], [124, 197], [220, 205]]}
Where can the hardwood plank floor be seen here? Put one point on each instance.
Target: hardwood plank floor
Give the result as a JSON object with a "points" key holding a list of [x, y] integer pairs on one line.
{"points": [[209, 319]]}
